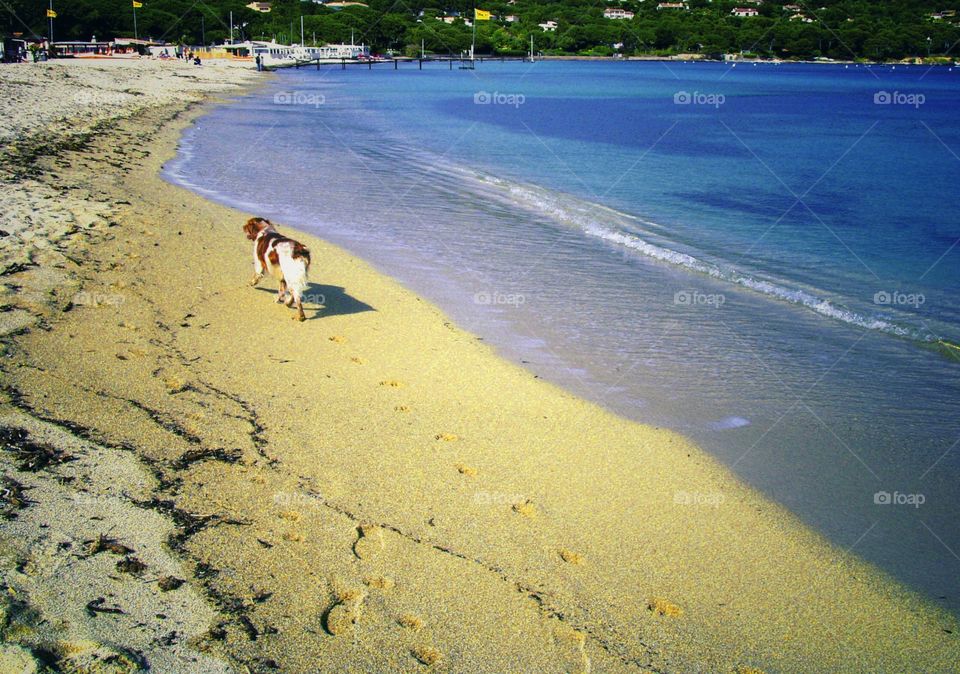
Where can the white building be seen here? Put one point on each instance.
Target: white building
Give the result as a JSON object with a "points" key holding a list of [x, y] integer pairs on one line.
{"points": [[617, 13], [272, 52], [548, 26], [744, 11]]}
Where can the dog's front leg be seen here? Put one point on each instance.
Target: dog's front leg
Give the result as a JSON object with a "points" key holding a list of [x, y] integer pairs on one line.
{"points": [[257, 270]]}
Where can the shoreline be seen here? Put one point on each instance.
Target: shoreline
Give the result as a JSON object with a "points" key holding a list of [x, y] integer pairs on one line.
{"points": [[376, 487]]}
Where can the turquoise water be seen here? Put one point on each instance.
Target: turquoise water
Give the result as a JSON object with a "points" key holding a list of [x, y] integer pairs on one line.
{"points": [[762, 257]]}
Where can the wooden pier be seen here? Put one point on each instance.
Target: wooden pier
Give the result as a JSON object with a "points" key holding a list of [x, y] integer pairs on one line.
{"points": [[464, 63]]}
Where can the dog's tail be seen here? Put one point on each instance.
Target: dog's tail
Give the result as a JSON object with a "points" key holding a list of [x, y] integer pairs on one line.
{"points": [[295, 266]]}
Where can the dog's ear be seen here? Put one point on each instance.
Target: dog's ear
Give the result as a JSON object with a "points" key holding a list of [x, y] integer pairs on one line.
{"points": [[252, 228]]}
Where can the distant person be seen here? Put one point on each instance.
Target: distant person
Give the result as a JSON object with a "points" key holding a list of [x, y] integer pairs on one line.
{"points": [[259, 62], [196, 61]]}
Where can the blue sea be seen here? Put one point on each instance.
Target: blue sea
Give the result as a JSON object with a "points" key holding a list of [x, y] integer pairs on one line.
{"points": [[762, 257]]}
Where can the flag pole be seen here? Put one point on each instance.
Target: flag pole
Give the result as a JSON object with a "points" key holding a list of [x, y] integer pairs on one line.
{"points": [[50, 14], [136, 34]]}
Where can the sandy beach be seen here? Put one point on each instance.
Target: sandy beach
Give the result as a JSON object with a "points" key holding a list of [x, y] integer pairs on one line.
{"points": [[194, 482]]}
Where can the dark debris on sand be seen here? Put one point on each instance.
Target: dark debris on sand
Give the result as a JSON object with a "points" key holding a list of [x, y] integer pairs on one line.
{"points": [[30, 456], [12, 498]]}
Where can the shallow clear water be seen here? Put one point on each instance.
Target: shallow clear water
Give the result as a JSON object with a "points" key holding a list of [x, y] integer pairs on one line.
{"points": [[766, 268]]}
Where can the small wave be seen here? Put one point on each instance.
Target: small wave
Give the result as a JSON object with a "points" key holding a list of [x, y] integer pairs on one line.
{"points": [[728, 423], [625, 230]]}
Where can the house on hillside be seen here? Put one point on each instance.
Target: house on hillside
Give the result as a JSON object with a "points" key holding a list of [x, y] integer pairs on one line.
{"points": [[617, 13], [262, 7], [801, 17], [548, 26], [744, 11], [672, 5]]}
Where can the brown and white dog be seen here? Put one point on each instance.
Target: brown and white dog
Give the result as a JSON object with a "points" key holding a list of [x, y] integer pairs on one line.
{"points": [[285, 259]]}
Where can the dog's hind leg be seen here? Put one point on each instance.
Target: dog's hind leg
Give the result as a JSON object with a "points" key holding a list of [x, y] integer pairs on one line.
{"points": [[281, 291], [296, 297]]}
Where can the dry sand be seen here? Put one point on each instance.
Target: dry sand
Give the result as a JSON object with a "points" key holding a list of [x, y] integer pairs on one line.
{"points": [[372, 490]]}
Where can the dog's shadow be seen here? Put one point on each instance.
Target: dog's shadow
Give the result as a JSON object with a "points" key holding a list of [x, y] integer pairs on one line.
{"points": [[334, 301]]}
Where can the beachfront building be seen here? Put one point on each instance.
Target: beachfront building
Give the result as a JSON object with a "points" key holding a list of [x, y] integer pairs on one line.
{"points": [[262, 7], [82, 48], [132, 46], [274, 51], [117, 48], [548, 26], [617, 13], [744, 11]]}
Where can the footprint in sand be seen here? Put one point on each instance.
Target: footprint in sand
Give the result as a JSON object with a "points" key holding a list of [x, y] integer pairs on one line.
{"points": [[445, 437], [337, 338], [345, 613], [370, 541], [570, 643], [663, 607], [392, 383], [525, 509], [571, 557], [358, 360], [469, 471], [174, 384], [379, 582], [401, 408], [92, 656], [411, 622], [427, 655]]}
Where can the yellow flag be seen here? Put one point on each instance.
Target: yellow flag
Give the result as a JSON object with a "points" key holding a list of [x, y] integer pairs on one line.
{"points": [[481, 15], [137, 4], [51, 14]]}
